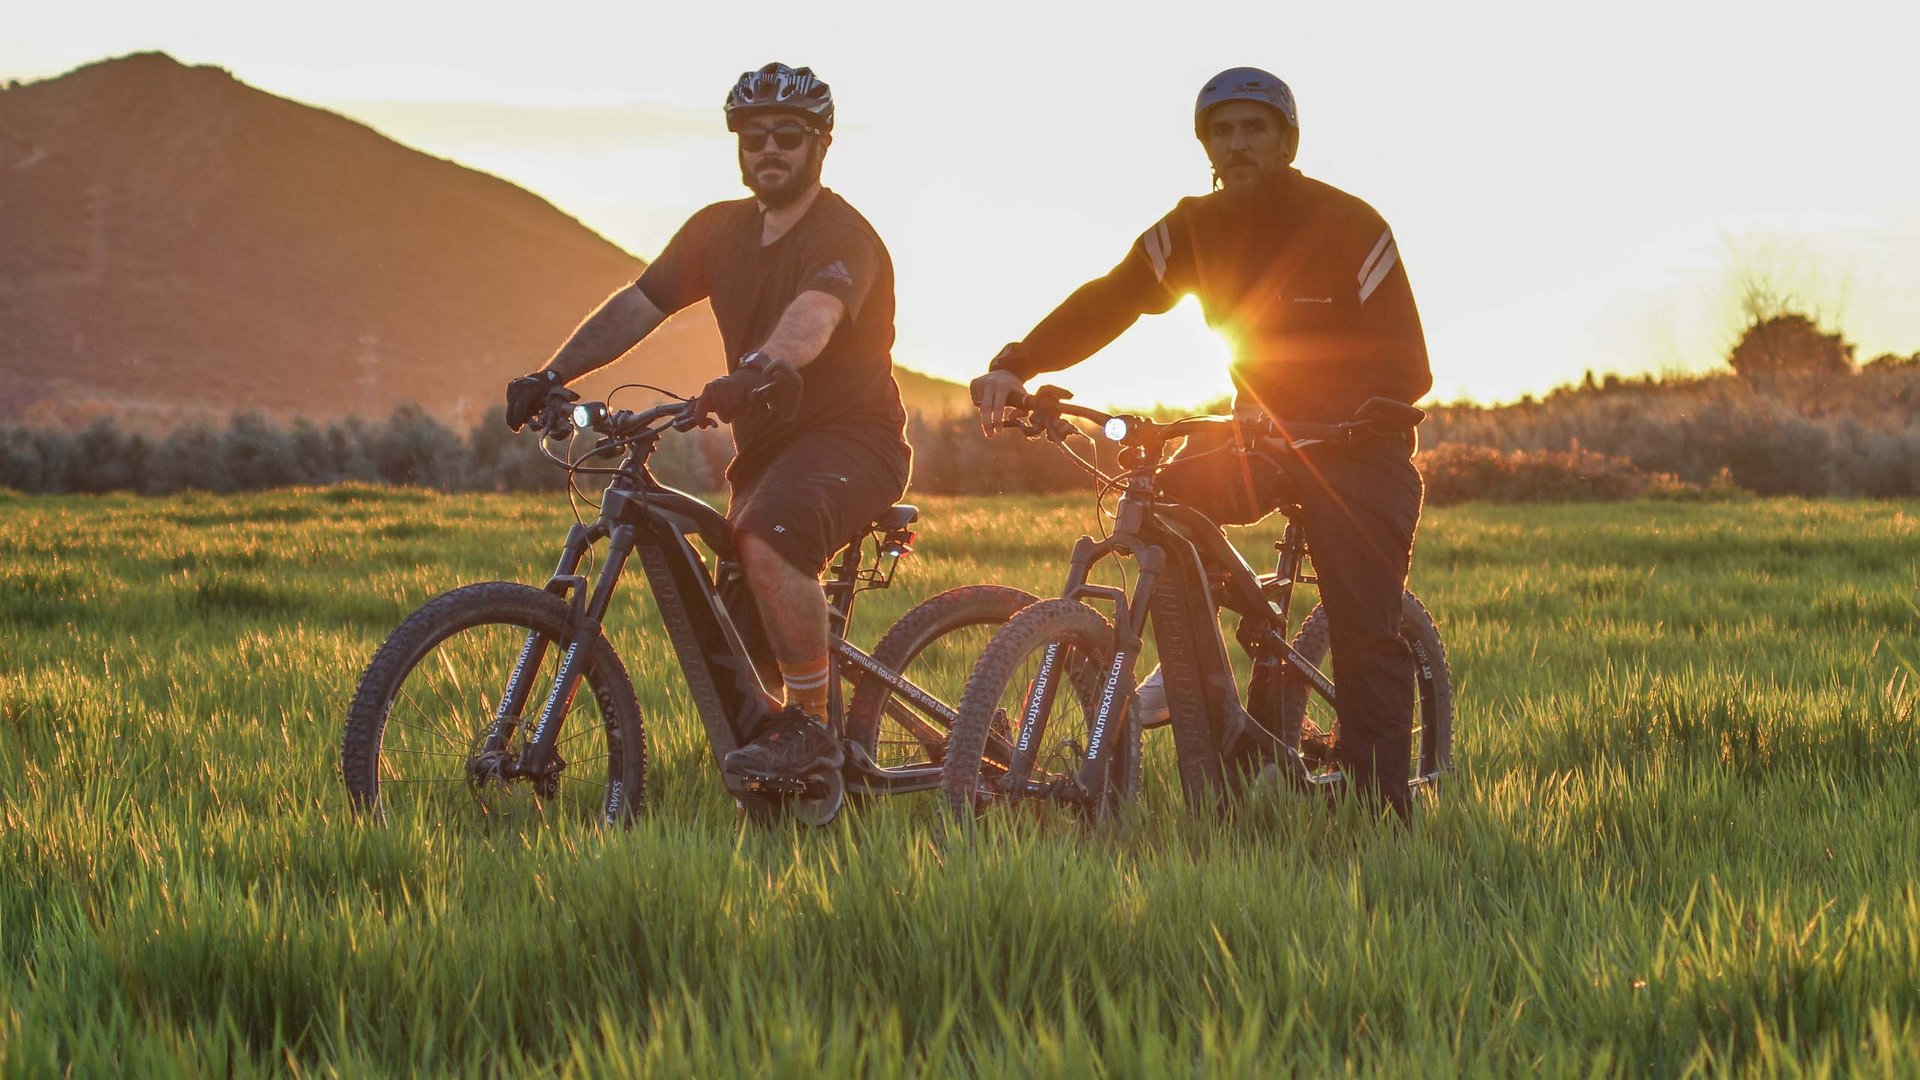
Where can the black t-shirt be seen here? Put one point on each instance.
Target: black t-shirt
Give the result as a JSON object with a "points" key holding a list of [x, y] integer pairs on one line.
{"points": [[1302, 278], [717, 254]]}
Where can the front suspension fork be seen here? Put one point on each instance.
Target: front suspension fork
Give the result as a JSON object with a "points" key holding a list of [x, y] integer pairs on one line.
{"points": [[582, 630], [1037, 705]]}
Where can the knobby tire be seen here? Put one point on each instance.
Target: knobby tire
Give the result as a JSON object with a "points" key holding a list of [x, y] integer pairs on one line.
{"points": [[511, 610], [985, 711]]}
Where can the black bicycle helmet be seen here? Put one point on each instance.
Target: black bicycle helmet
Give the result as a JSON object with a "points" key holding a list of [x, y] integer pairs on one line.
{"points": [[1245, 84], [779, 88]]}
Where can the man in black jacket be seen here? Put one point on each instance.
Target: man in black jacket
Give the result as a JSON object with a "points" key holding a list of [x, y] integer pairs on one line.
{"points": [[1306, 283], [802, 289]]}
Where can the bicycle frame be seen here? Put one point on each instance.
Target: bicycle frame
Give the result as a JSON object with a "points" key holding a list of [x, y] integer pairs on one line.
{"points": [[715, 651], [1187, 571]]}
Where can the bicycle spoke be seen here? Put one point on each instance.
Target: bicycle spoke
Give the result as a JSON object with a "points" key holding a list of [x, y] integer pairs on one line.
{"points": [[578, 732], [453, 735], [425, 753], [452, 712], [921, 731], [432, 729]]}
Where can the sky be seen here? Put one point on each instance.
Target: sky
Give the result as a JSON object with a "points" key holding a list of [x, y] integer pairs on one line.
{"points": [[1572, 189]]}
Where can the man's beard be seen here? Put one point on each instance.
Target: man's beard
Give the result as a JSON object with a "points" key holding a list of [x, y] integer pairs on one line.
{"points": [[1258, 186], [786, 191]]}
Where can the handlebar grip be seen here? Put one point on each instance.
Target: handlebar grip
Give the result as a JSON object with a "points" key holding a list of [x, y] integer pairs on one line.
{"points": [[1046, 395], [555, 418]]}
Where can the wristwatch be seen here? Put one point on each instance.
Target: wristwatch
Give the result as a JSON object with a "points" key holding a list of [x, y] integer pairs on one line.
{"points": [[1009, 360], [753, 361]]}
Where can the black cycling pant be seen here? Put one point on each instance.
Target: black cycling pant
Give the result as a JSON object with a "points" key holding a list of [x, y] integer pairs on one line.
{"points": [[1359, 505]]}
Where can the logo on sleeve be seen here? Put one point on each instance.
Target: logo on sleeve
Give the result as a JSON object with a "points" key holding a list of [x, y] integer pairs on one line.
{"points": [[835, 271]]}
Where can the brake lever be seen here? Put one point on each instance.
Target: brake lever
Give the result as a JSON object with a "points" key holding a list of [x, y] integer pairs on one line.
{"points": [[555, 419]]}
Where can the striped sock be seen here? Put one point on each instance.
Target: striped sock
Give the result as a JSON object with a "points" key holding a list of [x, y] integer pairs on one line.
{"points": [[807, 686]]}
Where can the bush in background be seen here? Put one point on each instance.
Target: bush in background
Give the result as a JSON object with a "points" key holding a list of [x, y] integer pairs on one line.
{"points": [[1457, 474], [1850, 433], [1854, 434], [251, 453]]}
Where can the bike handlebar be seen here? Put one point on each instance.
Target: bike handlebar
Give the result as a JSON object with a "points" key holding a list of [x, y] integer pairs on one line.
{"points": [[622, 423], [1048, 404], [565, 415]]}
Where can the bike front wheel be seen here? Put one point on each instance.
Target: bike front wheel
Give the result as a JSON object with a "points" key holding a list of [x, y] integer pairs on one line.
{"points": [[1026, 719], [421, 739]]}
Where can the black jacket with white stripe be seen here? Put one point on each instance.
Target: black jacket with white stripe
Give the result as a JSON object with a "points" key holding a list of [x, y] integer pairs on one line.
{"points": [[1304, 281]]}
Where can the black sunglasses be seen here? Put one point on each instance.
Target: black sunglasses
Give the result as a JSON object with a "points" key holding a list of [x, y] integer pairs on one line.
{"points": [[786, 137]]}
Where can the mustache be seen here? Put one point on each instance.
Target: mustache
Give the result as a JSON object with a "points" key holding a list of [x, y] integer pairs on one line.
{"points": [[1237, 159]]}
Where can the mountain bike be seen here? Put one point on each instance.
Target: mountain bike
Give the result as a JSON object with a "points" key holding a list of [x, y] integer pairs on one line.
{"points": [[477, 698], [1049, 712]]}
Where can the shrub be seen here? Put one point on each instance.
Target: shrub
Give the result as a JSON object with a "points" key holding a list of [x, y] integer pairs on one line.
{"points": [[1457, 474], [1604, 438], [1788, 344], [1859, 436]]}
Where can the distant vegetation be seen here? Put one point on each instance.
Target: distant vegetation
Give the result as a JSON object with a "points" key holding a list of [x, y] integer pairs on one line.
{"points": [[1771, 432], [1791, 415]]}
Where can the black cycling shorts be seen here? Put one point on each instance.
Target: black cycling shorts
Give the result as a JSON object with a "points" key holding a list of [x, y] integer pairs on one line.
{"points": [[816, 494]]}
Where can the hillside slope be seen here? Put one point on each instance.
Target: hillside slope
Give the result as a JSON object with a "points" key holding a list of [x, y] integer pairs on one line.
{"points": [[172, 239]]}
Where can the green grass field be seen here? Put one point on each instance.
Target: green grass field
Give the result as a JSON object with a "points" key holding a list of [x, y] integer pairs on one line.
{"points": [[1682, 838]]}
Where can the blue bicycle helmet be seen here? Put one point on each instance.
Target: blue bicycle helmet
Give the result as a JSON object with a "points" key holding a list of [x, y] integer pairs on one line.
{"points": [[1246, 84]]}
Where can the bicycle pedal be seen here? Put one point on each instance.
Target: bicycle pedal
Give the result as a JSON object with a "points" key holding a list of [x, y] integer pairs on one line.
{"points": [[774, 785], [812, 786]]}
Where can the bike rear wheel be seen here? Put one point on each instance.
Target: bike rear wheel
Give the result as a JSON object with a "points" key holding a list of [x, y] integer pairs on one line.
{"points": [[426, 706], [934, 646], [1012, 743], [1309, 725]]}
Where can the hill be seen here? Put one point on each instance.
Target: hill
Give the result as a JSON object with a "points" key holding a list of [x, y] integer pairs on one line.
{"points": [[177, 240], [931, 397]]}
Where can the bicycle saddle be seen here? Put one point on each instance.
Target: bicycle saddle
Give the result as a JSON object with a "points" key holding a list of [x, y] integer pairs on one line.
{"points": [[896, 517]]}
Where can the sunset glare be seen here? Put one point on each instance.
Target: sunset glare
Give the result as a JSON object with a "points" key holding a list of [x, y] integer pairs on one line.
{"points": [[1571, 188]]}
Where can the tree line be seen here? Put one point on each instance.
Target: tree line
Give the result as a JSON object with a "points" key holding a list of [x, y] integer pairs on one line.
{"points": [[1848, 432], [1792, 415]]}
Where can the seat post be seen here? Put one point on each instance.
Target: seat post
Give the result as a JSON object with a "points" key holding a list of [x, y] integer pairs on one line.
{"points": [[841, 588]]}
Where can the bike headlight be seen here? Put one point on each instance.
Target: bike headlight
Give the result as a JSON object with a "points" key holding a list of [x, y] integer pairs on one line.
{"points": [[1117, 429], [588, 414]]}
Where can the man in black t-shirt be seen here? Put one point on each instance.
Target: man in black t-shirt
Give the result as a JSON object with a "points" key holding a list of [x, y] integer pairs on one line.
{"points": [[802, 289], [1307, 284]]}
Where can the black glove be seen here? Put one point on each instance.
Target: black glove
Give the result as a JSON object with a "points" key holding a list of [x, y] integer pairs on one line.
{"points": [[758, 382], [527, 397]]}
